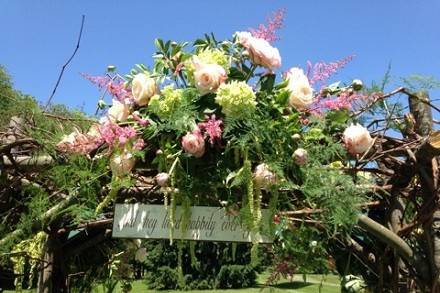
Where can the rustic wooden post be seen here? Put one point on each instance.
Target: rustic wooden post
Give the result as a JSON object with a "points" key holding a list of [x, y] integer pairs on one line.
{"points": [[427, 167], [52, 277]]}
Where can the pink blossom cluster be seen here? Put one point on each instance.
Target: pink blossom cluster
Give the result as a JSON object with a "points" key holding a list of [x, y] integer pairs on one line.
{"points": [[115, 86], [212, 128], [268, 32], [344, 100], [117, 136], [321, 71], [119, 91]]}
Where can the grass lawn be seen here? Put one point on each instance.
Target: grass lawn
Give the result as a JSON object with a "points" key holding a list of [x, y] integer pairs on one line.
{"points": [[330, 284]]}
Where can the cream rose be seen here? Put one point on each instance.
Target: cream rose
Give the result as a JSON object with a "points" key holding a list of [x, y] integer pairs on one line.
{"points": [[118, 112], [121, 164], [194, 143], [260, 51], [143, 88], [263, 177], [208, 77], [301, 93], [357, 139]]}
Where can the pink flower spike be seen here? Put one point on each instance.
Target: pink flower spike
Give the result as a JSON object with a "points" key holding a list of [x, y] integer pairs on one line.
{"points": [[322, 70], [212, 128], [274, 23]]}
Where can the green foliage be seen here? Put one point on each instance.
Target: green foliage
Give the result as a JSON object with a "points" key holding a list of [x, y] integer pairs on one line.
{"points": [[417, 82], [214, 266], [236, 276]]}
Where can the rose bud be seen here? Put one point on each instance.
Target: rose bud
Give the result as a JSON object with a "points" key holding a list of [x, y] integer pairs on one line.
{"points": [[263, 177], [162, 179], [300, 156], [357, 84], [121, 164], [357, 139]]}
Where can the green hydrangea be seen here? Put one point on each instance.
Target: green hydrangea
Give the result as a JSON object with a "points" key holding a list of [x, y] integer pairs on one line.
{"points": [[167, 103], [237, 99], [214, 56]]}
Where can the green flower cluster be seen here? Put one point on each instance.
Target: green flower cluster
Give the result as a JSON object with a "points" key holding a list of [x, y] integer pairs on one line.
{"points": [[165, 104], [214, 56], [237, 99]]}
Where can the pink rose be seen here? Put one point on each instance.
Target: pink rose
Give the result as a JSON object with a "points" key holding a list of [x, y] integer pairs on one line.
{"points": [[193, 143], [260, 51], [208, 77], [357, 139]]}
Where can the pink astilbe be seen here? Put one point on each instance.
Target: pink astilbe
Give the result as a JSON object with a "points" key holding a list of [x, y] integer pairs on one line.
{"points": [[119, 91], [268, 32], [344, 100], [212, 129], [116, 136], [100, 81], [115, 86], [320, 72]]}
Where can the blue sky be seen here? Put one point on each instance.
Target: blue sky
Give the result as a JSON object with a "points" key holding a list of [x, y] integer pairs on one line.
{"points": [[38, 37]]}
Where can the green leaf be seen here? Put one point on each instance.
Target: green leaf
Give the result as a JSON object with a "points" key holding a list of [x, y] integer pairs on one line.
{"points": [[266, 83]]}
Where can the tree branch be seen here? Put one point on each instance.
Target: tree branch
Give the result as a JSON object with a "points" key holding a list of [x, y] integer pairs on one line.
{"points": [[67, 63]]}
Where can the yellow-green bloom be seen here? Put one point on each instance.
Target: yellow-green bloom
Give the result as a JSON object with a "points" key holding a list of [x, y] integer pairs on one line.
{"points": [[165, 104], [237, 99]]}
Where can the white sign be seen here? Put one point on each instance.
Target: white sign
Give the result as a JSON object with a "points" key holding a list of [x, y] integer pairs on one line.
{"points": [[206, 224]]}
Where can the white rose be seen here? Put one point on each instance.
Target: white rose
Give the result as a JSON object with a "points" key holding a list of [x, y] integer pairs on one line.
{"points": [[260, 51], [143, 88], [118, 112], [301, 93], [208, 77], [121, 164], [357, 139], [263, 177]]}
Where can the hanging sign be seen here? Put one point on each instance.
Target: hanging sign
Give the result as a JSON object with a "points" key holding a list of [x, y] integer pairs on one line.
{"points": [[206, 224]]}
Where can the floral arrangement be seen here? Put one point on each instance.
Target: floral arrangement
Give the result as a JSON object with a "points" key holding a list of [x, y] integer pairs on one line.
{"points": [[219, 124]]}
